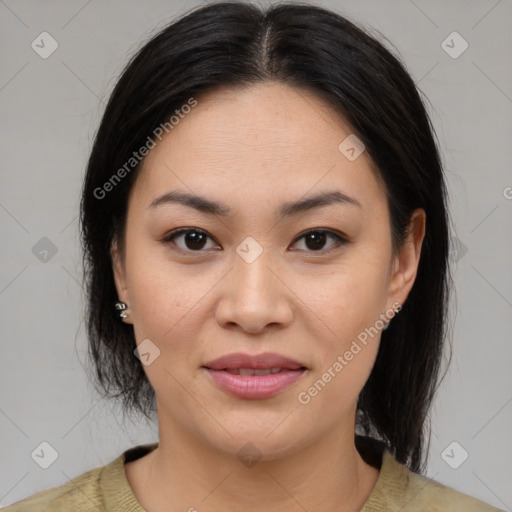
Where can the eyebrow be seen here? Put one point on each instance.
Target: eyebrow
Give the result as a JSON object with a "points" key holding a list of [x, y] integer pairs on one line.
{"points": [[210, 207]]}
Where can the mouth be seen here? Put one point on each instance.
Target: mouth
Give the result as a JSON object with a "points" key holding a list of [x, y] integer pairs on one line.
{"points": [[254, 376], [254, 371], [264, 361]]}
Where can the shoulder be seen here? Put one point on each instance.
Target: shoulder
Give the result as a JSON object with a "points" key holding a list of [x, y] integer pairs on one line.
{"points": [[426, 494], [79, 494], [400, 489], [103, 489]]}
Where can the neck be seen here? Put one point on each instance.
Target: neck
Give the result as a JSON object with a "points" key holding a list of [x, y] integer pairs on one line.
{"points": [[184, 473]]}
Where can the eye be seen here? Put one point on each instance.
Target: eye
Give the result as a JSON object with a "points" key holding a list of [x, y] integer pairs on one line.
{"points": [[315, 239], [194, 239]]}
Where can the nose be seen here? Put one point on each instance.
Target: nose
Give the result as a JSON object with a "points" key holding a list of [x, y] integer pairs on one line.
{"points": [[254, 297]]}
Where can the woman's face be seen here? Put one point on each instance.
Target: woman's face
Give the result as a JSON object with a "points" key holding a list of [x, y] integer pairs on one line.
{"points": [[259, 275]]}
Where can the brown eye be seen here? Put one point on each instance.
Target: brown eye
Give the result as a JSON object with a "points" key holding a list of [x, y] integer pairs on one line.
{"points": [[191, 240], [315, 240], [196, 240]]}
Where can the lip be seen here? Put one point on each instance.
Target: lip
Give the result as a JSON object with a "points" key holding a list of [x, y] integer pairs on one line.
{"points": [[254, 386], [262, 361]]}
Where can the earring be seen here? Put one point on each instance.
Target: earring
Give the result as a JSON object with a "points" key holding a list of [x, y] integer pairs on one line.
{"points": [[121, 306], [386, 324]]}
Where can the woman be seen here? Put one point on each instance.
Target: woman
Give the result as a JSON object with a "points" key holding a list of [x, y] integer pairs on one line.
{"points": [[265, 241]]}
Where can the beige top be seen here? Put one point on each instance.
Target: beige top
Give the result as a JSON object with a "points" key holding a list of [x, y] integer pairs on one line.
{"points": [[106, 489]]}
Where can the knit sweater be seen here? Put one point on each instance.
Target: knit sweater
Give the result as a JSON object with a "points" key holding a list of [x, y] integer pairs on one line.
{"points": [[106, 489]]}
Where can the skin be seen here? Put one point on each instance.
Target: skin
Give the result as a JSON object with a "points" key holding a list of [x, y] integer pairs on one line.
{"points": [[254, 149]]}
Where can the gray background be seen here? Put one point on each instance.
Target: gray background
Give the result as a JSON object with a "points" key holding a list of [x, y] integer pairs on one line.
{"points": [[50, 110]]}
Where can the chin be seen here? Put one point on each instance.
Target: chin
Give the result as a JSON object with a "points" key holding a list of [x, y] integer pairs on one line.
{"points": [[265, 439]]}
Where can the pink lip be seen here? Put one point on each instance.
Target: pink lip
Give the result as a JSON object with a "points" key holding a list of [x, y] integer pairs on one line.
{"points": [[254, 386], [257, 361]]}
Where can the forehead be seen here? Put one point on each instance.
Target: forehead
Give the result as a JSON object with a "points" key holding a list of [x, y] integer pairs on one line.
{"points": [[258, 140]]}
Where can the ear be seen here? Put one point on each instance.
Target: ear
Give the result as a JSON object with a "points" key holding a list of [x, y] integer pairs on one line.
{"points": [[405, 263], [120, 276]]}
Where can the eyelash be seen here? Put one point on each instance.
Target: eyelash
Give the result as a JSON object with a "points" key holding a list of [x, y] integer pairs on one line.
{"points": [[340, 239]]}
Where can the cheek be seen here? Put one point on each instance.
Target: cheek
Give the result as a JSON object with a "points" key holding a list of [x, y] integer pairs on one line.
{"points": [[349, 303], [352, 297], [159, 297], [347, 350]]}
